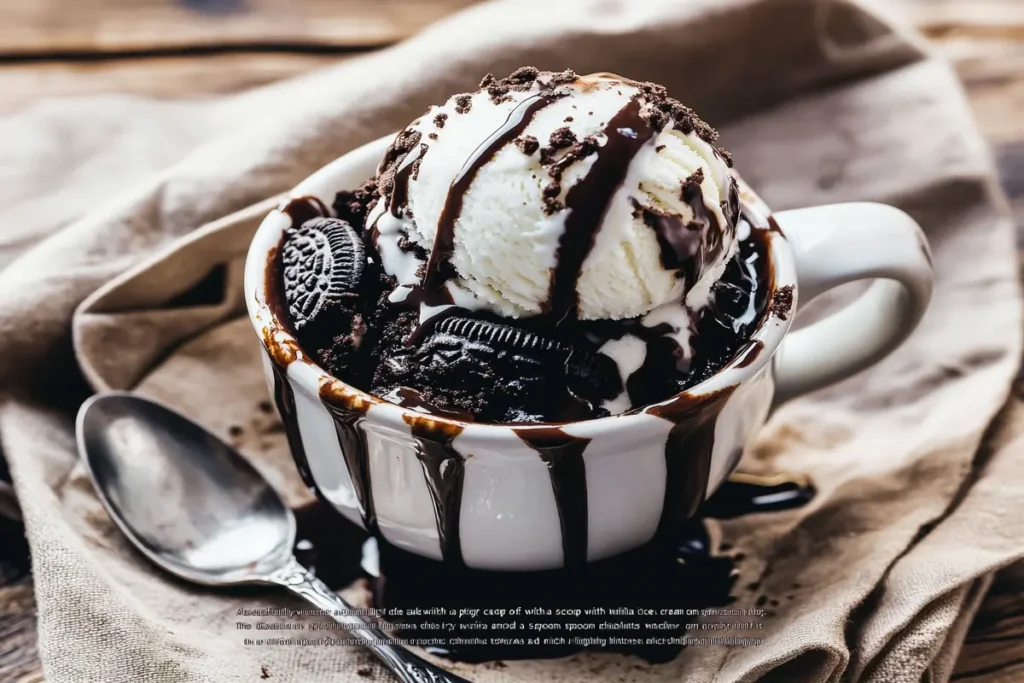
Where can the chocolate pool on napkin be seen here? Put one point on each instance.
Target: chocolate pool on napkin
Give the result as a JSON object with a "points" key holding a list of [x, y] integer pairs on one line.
{"points": [[820, 101]]}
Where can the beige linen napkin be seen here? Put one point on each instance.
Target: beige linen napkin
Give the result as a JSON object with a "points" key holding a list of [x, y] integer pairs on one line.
{"points": [[819, 100]]}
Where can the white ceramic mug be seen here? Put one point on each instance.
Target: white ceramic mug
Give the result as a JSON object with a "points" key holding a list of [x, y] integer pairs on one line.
{"points": [[527, 498]]}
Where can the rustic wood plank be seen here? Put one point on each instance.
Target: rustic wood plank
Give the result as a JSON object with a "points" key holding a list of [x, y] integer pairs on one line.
{"points": [[19, 657], [22, 84], [45, 27], [994, 649], [19, 660]]}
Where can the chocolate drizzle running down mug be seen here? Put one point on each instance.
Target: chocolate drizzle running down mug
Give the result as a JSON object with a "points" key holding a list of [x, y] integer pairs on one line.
{"points": [[542, 496]]}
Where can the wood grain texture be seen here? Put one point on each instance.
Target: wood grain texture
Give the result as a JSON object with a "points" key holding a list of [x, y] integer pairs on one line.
{"points": [[195, 48], [19, 658], [47, 27], [164, 77]]}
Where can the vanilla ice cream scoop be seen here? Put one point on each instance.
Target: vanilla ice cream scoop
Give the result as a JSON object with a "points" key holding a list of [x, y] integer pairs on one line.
{"points": [[590, 197]]}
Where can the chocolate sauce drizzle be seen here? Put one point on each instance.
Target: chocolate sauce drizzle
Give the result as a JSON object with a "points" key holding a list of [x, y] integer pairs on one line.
{"points": [[707, 221], [688, 247], [400, 189], [352, 440], [439, 268], [750, 354], [302, 209], [588, 201], [284, 399], [680, 243], [563, 455], [688, 451], [444, 471], [410, 398]]}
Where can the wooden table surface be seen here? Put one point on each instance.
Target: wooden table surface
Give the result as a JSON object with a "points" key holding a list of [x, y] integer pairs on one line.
{"points": [[190, 48]]}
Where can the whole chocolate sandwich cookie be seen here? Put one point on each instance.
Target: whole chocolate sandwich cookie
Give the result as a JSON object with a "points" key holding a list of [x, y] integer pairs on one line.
{"points": [[548, 248]]}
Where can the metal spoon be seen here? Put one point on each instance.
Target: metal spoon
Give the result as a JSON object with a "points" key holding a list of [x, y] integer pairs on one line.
{"points": [[197, 509]]}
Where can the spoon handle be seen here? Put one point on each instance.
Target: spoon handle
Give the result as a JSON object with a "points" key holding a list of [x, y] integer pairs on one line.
{"points": [[408, 667]]}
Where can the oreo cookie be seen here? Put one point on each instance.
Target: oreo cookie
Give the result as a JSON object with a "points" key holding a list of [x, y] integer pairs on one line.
{"points": [[324, 260], [520, 374], [497, 338]]}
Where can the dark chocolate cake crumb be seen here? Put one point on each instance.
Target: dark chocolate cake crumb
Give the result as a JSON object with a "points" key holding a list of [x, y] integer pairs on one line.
{"points": [[415, 168], [432, 136], [556, 161], [659, 148], [726, 156], [663, 110], [521, 80], [406, 244], [404, 142], [696, 178], [440, 119], [524, 75], [527, 144], [568, 119], [562, 138], [563, 78], [782, 301], [463, 103], [499, 94], [354, 206], [552, 206], [550, 194]]}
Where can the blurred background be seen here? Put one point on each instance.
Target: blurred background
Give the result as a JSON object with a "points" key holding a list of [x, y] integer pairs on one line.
{"points": [[182, 49], [174, 49]]}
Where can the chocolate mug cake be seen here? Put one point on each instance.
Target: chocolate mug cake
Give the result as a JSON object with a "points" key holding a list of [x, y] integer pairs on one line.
{"points": [[539, 326]]}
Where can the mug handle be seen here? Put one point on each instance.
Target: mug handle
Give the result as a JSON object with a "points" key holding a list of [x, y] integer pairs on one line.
{"points": [[841, 243]]}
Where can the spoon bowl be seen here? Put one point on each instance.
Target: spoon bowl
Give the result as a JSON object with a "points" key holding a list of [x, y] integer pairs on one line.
{"points": [[187, 500]]}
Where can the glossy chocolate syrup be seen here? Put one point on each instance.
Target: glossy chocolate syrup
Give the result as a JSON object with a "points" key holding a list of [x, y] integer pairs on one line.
{"points": [[400, 190], [687, 246], [688, 451], [352, 440], [750, 354], [303, 209], [284, 399], [587, 202], [563, 455], [745, 494], [680, 243], [444, 471]]}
